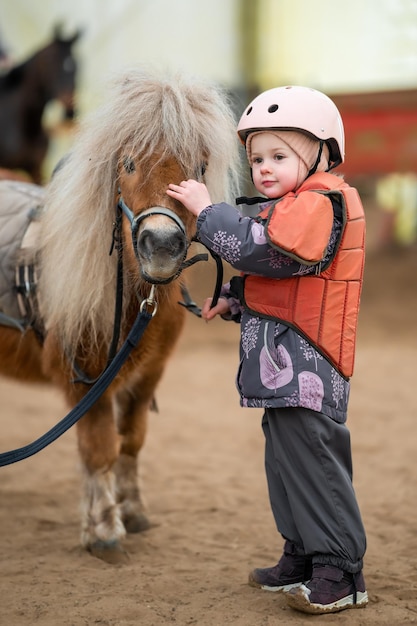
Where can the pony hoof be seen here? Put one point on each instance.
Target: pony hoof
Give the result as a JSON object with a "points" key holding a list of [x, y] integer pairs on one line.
{"points": [[136, 523], [112, 553]]}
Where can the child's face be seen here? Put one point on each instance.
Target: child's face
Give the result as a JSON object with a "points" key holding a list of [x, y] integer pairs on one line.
{"points": [[275, 166]]}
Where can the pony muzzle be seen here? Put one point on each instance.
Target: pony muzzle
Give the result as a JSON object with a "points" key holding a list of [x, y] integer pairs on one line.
{"points": [[160, 245]]}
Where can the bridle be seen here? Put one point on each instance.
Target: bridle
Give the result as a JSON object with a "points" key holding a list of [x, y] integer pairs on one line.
{"points": [[135, 221], [150, 301]]}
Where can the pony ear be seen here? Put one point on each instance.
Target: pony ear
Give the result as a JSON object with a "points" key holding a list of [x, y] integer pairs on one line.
{"points": [[75, 36], [59, 35]]}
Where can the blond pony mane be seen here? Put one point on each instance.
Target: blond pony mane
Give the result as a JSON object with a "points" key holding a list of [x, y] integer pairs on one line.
{"points": [[172, 115]]}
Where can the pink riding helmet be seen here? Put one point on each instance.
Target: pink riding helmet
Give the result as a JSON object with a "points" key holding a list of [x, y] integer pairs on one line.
{"points": [[296, 108]]}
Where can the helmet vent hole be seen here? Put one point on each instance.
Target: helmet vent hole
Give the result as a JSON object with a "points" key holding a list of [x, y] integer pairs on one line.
{"points": [[273, 108], [249, 110]]}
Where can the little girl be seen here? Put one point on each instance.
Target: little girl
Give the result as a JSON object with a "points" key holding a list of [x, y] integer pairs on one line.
{"points": [[297, 299]]}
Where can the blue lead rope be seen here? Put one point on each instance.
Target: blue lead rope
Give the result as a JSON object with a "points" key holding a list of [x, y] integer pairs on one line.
{"points": [[106, 378]]}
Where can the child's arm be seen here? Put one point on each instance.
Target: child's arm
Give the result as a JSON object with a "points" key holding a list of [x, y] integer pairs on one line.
{"points": [[192, 194]]}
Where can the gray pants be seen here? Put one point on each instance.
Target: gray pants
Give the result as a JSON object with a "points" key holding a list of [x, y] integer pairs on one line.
{"points": [[309, 473]]}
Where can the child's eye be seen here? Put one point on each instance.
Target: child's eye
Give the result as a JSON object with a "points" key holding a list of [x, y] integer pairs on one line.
{"points": [[257, 160], [278, 157]]}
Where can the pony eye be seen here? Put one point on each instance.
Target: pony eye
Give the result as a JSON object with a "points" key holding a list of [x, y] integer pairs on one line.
{"points": [[129, 165], [201, 171]]}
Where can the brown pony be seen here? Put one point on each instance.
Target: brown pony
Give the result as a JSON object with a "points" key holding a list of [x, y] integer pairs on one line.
{"points": [[152, 130]]}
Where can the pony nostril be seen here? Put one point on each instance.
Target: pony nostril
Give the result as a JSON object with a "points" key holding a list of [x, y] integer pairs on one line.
{"points": [[144, 244], [178, 244]]}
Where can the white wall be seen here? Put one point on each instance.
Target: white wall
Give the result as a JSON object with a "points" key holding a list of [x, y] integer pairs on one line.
{"points": [[195, 35], [338, 45], [334, 45]]}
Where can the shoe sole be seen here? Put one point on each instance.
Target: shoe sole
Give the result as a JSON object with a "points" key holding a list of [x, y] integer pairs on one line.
{"points": [[299, 601], [282, 589]]}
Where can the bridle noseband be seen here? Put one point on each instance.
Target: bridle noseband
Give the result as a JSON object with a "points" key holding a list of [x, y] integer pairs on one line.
{"points": [[135, 220]]}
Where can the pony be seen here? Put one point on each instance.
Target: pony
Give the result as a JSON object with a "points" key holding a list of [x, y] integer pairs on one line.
{"points": [[153, 128], [25, 90]]}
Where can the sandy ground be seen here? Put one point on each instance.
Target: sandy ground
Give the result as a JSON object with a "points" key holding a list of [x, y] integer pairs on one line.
{"points": [[204, 487]]}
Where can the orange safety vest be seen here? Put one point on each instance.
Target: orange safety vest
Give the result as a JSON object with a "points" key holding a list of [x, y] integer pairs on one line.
{"points": [[323, 308]]}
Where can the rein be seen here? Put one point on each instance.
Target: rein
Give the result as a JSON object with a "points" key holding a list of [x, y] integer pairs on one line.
{"points": [[105, 379], [116, 243], [115, 360]]}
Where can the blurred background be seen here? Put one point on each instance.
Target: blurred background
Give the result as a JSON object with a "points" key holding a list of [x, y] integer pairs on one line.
{"points": [[362, 54]]}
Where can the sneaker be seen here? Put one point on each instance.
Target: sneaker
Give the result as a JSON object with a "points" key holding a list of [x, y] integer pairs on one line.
{"points": [[329, 590], [290, 572]]}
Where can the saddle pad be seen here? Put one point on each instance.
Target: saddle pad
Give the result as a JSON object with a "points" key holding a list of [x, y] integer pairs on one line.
{"points": [[19, 204]]}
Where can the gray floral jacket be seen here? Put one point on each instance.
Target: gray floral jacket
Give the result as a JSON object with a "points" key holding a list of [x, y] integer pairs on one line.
{"points": [[278, 367]]}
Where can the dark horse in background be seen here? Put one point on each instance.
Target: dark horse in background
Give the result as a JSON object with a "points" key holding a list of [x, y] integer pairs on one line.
{"points": [[25, 90]]}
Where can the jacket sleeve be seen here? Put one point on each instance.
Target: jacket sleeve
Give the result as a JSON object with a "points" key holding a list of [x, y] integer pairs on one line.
{"points": [[242, 242]]}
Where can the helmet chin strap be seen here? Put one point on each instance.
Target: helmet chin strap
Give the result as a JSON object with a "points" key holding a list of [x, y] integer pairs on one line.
{"points": [[315, 166]]}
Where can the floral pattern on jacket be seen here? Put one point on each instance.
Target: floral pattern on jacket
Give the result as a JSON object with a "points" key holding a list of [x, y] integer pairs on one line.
{"points": [[278, 367]]}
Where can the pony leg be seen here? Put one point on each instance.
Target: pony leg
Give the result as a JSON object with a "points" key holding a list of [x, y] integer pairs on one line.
{"points": [[102, 529], [128, 494], [101, 526], [131, 411]]}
